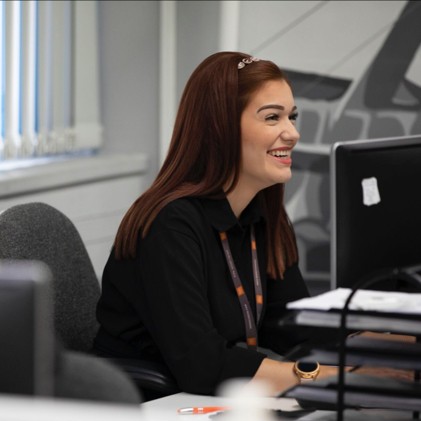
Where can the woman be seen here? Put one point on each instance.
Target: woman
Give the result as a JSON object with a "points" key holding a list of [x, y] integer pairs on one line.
{"points": [[206, 258]]}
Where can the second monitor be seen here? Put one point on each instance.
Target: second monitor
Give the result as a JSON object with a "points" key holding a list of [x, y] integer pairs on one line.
{"points": [[376, 207]]}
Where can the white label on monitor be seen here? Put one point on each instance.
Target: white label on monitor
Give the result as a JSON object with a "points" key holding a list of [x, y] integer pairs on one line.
{"points": [[371, 195]]}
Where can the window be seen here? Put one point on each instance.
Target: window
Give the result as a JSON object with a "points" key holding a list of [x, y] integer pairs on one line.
{"points": [[48, 78]]}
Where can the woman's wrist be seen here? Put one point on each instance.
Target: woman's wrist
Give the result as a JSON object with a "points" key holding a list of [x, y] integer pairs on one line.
{"points": [[306, 370]]}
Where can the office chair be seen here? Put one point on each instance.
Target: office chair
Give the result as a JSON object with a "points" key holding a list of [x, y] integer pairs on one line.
{"points": [[86, 377], [37, 231]]}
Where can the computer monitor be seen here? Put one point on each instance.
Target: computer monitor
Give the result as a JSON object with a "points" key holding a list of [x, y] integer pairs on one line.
{"points": [[27, 347], [375, 208]]}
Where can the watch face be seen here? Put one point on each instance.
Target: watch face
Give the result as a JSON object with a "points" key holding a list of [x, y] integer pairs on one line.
{"points": [[307, 367]]}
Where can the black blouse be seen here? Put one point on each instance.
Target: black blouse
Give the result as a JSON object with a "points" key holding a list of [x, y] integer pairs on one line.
{"points": [[176, 302]]}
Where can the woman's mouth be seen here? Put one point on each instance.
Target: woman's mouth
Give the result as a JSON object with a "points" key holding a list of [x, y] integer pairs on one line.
{"points": [[283, 156]]}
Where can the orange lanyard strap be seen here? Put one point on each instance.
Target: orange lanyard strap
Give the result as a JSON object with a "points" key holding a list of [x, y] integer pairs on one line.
{"points": [[250, 324]]}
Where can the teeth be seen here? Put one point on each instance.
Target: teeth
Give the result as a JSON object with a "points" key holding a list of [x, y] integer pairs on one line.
{"points": [[279, 153]]}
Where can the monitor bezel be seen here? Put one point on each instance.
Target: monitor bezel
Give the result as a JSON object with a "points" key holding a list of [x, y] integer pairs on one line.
{"points": [[361, 144], [23, 282]]}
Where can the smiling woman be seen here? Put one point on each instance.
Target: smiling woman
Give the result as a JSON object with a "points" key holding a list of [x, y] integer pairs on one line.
{"points": [[206, 258]]}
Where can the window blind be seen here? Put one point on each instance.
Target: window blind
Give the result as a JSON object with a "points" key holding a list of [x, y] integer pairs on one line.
{"points": [[49, 78]]}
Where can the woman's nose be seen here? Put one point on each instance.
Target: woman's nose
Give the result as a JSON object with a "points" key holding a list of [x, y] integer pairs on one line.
{"points": [[290, 134]]}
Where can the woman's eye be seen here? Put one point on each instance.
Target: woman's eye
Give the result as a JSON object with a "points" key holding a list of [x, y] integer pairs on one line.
{"points": [[293, 117], [272, 117]]}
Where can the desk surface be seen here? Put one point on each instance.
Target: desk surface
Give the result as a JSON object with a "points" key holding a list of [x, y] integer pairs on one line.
{"points": [[165, 409], [20, 408]]}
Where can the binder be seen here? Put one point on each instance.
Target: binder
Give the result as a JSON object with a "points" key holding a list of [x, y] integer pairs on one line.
{"points": [[409, 324], [363, 350], [361, 391]]}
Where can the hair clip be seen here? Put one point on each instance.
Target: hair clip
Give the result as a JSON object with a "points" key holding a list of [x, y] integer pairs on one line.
{"points": [[245, 61]]}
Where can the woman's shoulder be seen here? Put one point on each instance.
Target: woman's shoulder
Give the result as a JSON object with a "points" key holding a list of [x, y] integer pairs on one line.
{"points": [[182, 212], [184, 206]]}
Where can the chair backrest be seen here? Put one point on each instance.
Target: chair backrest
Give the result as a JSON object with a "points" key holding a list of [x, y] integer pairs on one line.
{"points": [[37, 231]]}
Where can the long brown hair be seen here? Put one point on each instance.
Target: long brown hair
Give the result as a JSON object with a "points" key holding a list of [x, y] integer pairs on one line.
{"points": [[205, 154]]}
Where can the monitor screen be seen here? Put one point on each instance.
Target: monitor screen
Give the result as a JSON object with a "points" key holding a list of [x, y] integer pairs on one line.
{"points": [[27, 349], [375, 209]]}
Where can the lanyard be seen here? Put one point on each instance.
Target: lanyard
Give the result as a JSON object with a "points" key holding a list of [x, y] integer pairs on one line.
{"points": [[250, 324]]}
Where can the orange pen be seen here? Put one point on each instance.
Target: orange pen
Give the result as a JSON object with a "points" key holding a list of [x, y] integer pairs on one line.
{"points": [[201, 410]]}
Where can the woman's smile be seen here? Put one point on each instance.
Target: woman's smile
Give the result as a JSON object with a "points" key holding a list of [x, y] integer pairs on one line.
{"points": [[281, 155]]}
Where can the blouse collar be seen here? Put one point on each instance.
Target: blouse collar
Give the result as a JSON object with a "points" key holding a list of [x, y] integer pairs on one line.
{"points": [[221, 216]]}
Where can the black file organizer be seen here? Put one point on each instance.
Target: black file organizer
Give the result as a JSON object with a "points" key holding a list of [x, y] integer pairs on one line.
{"points": [[399, 355]]}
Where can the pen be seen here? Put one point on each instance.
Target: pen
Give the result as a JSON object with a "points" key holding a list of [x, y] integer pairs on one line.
{"points": [[201, 410]]}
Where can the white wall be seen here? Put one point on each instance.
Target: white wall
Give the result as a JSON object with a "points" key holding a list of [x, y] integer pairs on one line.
{"points": [[197, 36], [129, 77]]}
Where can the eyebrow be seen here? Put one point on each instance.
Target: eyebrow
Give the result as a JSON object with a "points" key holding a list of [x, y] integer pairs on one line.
{"points": [[276, 106]]}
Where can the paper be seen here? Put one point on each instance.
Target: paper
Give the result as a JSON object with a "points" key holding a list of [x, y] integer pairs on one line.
{"points": [[395, 302], [371, 195]]}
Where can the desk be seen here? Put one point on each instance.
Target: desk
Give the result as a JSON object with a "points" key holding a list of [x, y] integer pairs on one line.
{"points": [[165, 409], [21, 408]]}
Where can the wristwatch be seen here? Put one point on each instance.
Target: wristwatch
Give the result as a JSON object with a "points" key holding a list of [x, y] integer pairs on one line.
{"points": [[306, 371]]}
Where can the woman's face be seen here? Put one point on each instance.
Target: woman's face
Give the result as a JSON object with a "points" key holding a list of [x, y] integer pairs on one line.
{"points": [[268, 134]]}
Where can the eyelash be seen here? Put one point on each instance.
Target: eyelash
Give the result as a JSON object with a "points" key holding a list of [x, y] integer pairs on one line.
{"points": [[272, 117], [293, 117]]}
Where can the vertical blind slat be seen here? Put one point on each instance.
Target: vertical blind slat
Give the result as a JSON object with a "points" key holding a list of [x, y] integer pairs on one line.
{"points": [[62, 75], [58, 80], [2, 84], [28, 78], [88, 130], [68, 86], [12, 69], [44, 79]]}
